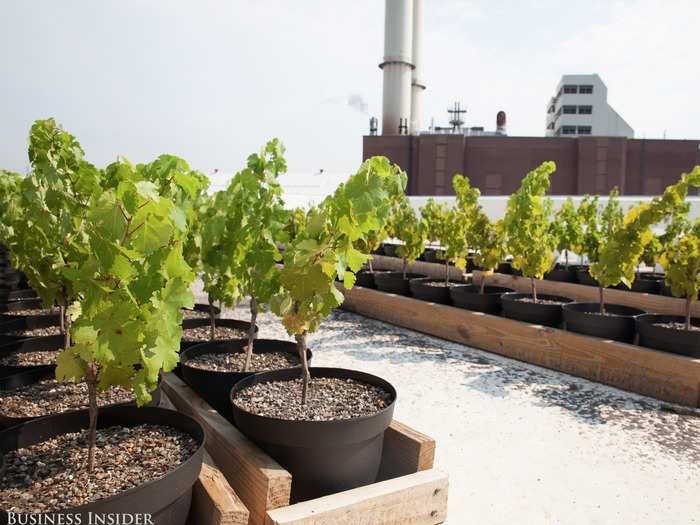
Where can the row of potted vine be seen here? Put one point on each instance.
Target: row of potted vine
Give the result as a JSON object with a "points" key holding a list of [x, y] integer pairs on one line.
{"points": [[616, 322], [116, 256]]}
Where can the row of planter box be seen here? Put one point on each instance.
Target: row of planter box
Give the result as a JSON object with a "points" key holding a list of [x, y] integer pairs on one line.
{"points": [[655, 320]]}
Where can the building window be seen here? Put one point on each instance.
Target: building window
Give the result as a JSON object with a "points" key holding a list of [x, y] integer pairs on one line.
{"points": [[585, 90], [585, 110], [569, 88], [568, 130], [569, 110], [584, 130]]}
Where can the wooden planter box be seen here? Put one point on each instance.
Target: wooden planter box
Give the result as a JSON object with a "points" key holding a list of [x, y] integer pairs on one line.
{"points": [[662, 375], [410, 491], [437, 271], [652, 303]]}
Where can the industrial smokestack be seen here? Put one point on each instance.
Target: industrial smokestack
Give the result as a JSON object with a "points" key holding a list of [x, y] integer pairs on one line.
{"points": [[501, 123], [397, 65], [417, 85]]}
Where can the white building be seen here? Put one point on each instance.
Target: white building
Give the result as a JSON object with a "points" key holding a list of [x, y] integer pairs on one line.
{"points": [[580, 107]]}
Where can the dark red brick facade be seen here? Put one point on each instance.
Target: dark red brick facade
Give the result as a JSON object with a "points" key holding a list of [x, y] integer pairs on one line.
{"points": [[495, 165]]}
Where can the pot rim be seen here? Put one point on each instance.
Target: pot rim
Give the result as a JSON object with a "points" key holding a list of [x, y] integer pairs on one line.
{"points": [[572, 307]]}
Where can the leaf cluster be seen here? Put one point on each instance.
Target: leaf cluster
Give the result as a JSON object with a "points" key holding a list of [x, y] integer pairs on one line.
{"points": [[408, 228], [567, 228], [681, 259]]}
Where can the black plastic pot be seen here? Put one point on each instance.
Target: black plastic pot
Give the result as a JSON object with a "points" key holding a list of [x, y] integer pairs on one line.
{"points": [[430, 255], [390, 250], [394, 282], [618, 324], [682, 342], [195, 323], [467, 296], [584, 277], [421, 289], [13, 306], [35, 344], [202, 307], [535, 313], [324, 457], [505, 268], [646, 283], [25, 323], [8, 296], [365, 278], [38, 374], [215, 387], [561, 274], [166, 499]]}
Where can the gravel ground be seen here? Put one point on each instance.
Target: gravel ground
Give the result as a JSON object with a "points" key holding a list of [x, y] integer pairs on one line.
{"points": [[521, 443], [32, 311], [230, 362], [51, 397], [328, 399], [37, 332], [52, 475], [35, 358], [201, 333]]}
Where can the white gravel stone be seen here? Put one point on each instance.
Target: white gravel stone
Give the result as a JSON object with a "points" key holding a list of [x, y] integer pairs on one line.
{"points": [[523, 444]]}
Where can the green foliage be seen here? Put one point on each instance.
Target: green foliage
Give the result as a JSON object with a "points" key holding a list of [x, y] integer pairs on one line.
{"points": [[681, 260], [526, 223], [407, 227], [323, 246], [433, 215], [588, 211], [623, 247], [487, 238], [10, 208], [567, 228]]}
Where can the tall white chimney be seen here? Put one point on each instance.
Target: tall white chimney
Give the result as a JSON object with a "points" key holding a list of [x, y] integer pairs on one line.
{"points": [[417, 85], [397, 66]]}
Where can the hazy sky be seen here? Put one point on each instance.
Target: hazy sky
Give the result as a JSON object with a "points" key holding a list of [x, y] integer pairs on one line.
{"points": [[211, 80]]}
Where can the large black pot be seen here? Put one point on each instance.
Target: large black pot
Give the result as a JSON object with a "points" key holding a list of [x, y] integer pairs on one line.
{"points": [[584, 277], [561, 273], [390, 250], [195, 323], [421, 289], [8, 296], [467, 296], [394, 282], [38, 374], [35, 344], [166, 499], [215, 387], [645, 283], [505, 267], [202, 307], [682, 342], [535, 313], [13, 306], [618, 324], [25, 323], [365, 278], [324, 457], [430, 255]]}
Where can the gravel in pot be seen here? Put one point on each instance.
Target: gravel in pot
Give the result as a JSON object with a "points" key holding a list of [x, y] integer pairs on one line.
{"points": [[394, 282], [468, 296], [547, 310], [211, 369], [562, 273], [331, 444], [10, 336], [616, 323], [432, 290], [196, 331], [38, 393], [28, 354], [668, 333], [146, 462], [7, 296], [24, 307]]}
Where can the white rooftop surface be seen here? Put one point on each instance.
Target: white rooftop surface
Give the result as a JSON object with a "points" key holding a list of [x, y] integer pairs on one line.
{"points": [[523, 444]]}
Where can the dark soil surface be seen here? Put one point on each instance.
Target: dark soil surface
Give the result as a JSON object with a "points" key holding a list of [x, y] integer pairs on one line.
{"points": [[441, 284], [235, 362], [678, 326], [329, 399], [35, 358], [52, 475], [51, 397], [538, 301], [201, 333], [32, 311], [36, 332]]}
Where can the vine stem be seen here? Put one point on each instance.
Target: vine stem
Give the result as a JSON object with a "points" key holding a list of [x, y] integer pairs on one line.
{"points": [[251, 333], [91, 380], [306, 374], [601, 299], [212, 319]]}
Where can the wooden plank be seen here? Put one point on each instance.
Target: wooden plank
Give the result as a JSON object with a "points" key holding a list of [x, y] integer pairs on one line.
{"points": [[259, 481], [382, 262], [649, 372], [415, 499], [214, 502], [405, 451], [652, 303]]}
